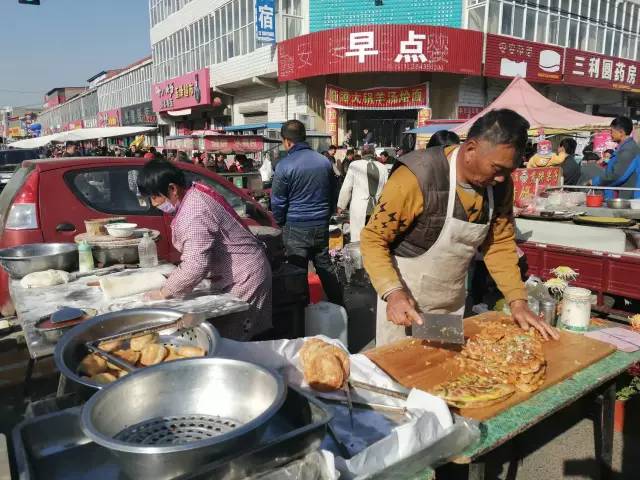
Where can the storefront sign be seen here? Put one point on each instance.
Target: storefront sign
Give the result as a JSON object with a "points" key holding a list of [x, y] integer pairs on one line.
{"points": [[331, 118], [90, 122], [595, 70], [75, 125], [189, 90], [110, 118], [15, 132], [384, 98], [140, 114], [525, 179], [381, 48], [466, 112], [509, 57], [265, 21], [233, 144]]}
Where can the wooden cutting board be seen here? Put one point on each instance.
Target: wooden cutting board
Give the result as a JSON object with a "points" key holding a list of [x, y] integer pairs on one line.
{"points": [[413, 363]]}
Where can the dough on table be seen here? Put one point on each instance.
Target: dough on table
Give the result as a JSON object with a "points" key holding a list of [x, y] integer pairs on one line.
{"points": [[46, 278], [119, 285]]}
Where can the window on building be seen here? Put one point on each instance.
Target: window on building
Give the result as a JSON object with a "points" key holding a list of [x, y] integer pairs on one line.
{"points": [[541, 29], [518, 21], [507, 19], [530, 26], [494, 16], [476, 18]]}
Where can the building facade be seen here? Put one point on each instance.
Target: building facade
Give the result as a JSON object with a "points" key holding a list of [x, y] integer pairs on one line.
{"points": [[346, 65], [114, 98]]}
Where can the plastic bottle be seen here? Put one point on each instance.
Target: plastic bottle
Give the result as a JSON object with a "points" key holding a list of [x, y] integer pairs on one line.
{"points": [[147, 252], [85, 257]]}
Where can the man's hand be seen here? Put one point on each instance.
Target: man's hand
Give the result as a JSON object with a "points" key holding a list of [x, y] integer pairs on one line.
{"points": [[155, 295], [526, 318], [401, 309], [339, 210]]}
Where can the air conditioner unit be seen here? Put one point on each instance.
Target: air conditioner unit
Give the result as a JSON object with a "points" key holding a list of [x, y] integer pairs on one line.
{"points": [[273, 134]]}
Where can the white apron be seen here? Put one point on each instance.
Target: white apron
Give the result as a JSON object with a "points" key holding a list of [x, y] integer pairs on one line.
{"points": [[436, 279]]}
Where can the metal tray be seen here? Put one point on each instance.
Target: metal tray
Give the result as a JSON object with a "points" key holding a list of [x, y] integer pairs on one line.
{"points": [[53, 446]]}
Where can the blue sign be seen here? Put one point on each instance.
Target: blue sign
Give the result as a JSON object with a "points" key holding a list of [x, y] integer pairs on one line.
{"points": [[266, 21]]}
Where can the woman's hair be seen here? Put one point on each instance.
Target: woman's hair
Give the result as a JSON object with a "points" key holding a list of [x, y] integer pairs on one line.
{"points": [[156, 175], [443, 138]]}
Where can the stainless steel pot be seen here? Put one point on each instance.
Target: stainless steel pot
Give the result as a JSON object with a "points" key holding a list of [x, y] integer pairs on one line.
{"points": [[70, 350], [167, 420], [618, 203], [36, 257]]}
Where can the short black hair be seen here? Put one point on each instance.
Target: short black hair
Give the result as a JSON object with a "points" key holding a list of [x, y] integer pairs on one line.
{"points": [[293, 130], [569, 145], [502, 127], [443, 138], [368, 149], [384, 153], [609, 151], [156, 175], [351, 151], [623, 123], [332, 147]]}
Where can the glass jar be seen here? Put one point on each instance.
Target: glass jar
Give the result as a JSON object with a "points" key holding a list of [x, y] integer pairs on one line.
{"points": [[576, 308]]}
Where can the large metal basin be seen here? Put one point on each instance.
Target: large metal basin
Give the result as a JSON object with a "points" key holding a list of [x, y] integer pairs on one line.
{"points": [[36, 257], [71, 349], [167, 420]]}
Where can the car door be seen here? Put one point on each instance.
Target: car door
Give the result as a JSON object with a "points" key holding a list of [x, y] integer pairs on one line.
{"points": [[69, 196]]}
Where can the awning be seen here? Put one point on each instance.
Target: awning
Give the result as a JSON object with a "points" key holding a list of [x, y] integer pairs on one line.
{"points": [[431, 129], [82, 134]]}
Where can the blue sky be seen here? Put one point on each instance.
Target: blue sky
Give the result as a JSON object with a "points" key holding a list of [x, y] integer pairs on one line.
{"points": [[64, 42]]}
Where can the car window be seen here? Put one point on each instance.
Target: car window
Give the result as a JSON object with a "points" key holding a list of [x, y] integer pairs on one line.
{"points": [[237, 202], [110, 190]]}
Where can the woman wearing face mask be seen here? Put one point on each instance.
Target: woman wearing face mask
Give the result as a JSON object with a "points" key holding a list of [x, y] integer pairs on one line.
{"points": [[214, 244]]}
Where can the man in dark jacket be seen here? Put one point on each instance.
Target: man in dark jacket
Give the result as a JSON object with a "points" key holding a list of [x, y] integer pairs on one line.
{"points": [[627, 150], [302, 193], [570, 168]]}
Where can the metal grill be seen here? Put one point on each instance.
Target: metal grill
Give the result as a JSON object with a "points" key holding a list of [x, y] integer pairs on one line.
{"points": [[176, 430]]}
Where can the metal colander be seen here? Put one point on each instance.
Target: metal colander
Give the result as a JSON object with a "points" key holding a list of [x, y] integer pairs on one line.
{"points": [[177, 430], [166, 420]]}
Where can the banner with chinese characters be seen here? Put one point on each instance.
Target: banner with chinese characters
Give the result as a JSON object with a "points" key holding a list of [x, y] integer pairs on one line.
{"points": [[75, 125], [265, 21], [509, 57], [331, 119], [381, 48], [186, 91], [110, 118], [595, 70], [383, 98], [233, 143], [466, 112], [524, 181]]}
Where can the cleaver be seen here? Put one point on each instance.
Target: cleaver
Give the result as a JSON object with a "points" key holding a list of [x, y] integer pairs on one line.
{"points": [[443, 328]]}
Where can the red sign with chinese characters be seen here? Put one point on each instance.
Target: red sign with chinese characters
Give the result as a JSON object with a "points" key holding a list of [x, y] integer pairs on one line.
{"points": [[233, 144], [595, 70], [508, 57], [110, 118], [189, 90], [384, 98], [381, 48], [465, 112], [524, 181], [75, 125]]}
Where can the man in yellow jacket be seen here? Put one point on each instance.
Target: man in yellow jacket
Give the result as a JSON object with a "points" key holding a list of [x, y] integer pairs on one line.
{"points": [[439, 209]]}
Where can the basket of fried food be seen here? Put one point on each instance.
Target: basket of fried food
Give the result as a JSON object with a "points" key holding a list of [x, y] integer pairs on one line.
{"points": [[325, 366], [501, 360]]}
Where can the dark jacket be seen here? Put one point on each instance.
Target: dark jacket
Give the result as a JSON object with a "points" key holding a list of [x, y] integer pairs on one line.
{"points": [[618, 165], [571, 171], [303, 188]]}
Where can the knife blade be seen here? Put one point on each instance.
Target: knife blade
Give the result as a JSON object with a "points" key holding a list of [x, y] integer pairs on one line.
{"points": [[442, 328]]}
